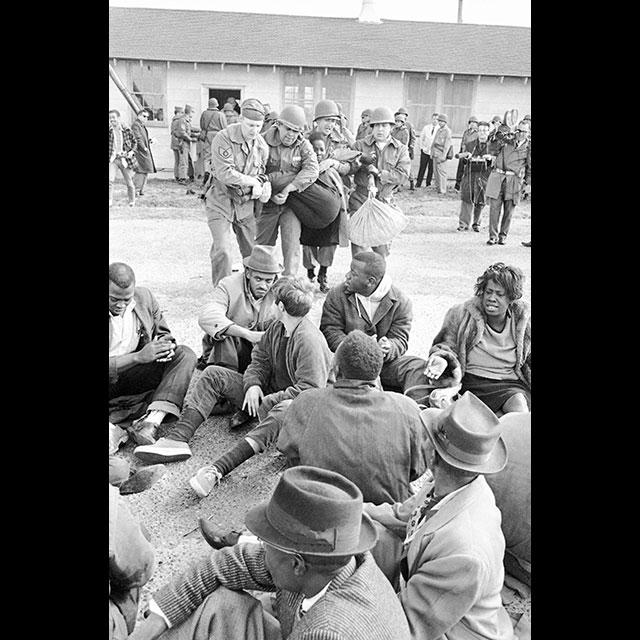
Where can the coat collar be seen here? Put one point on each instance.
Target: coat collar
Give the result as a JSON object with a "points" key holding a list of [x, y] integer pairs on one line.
{"points": [[234, 131], [371, 141]]}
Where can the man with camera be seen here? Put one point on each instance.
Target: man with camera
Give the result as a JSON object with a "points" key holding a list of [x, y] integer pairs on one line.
{"points": [[510, 177], [476, 167], [238, 165]]}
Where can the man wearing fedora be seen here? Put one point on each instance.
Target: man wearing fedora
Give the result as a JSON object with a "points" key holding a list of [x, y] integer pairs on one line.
{"points": [[291, 356], [443, 548], [238, 166], [312, 550], [439, 152]]}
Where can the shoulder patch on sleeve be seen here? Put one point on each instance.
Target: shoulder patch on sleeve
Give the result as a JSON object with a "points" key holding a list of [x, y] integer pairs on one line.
{"points": [[224, 152]]}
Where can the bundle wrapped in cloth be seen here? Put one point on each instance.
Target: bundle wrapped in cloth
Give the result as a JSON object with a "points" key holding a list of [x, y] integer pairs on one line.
{"points": [[376, 223]]}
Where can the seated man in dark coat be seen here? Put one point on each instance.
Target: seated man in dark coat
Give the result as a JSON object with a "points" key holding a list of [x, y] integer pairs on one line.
{"points": [[374, 438], [143, 355], [367, 300], [313, 551]]}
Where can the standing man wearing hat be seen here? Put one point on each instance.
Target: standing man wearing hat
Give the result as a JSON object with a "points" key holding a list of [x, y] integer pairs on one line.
{"points": [[440, 152], [144, 158], [404, 132], [238, 179], [241, 309], [426, 162], [212, 120], [443, 548], [510, 177], [292, 166], [122, 147], [386, 160], [364, 128], [181, 144], [470, 134], [312, 549]]}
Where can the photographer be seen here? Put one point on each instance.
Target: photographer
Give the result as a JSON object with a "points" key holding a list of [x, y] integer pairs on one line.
{"points": [[510, 177], [475, 164]]}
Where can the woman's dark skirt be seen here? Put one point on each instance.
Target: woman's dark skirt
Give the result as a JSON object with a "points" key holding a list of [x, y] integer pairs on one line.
{"points": [[494, 393]]}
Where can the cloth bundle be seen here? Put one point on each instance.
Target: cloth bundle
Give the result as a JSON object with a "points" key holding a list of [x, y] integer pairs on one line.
{"points": [[376, 223]]}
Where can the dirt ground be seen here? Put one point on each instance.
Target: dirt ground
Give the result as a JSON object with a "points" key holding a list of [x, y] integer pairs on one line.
{"points": [[166, 241]]}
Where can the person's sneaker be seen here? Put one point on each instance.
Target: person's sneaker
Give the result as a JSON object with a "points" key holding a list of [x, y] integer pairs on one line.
{"points": [[165, 450], [217, 537], [143, 432], [461, 227], [142, 479], [205, 480], [491, 241], [476, 228]]}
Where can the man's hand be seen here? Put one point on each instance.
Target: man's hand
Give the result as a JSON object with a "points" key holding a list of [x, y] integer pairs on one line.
{"points": [[152, 627], [385, 345], [266, 192], [435, 367], [252, 400], [281, 197], [256, 191], [252, 336], [156, 350], [374, 170]]}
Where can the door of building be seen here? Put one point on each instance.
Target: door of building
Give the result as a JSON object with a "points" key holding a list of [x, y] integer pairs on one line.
{"points": [[221, 96]]}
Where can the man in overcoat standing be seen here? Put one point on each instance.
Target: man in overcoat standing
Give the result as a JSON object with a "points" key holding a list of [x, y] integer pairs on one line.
{"points": [[144, 157]]}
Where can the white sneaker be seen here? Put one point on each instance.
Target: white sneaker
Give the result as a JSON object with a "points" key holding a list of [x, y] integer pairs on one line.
{"points": [[163, 450], [205, 480]]}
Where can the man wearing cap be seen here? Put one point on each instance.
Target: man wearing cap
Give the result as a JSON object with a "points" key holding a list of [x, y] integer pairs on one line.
{"points": [[241, 309], [510, 177], [181, 144], [364, 128], [404, 132], [443, 548], [292, 166], [312, 549], [238, 179], [144, 158], [290, 357], [426, 162], [496, 121], [439, 152], [212, 120], [230, 113], [469, 134], [383, 158], [346, 427], [475, 161]]}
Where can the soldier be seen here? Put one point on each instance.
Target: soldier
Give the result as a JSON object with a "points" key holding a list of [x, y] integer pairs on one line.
{"points": [[364, 127], [384, 158], [230, 114], [439, 152], [511, 172], [181, 144], [471, 133], [212, 120], [178, 112], [292, 166], [403, 130], [476, 167], [238, 165], [496, 121]]}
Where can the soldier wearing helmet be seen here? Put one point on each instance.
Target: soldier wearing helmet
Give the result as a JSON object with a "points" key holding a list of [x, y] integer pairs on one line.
{"points": [[404, 132], [384, 158], [364, 127], [292, 166]]}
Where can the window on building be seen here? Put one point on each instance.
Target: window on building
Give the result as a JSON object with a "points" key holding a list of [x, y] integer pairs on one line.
{"points": [[420, 99], [299, 89], [147, 83], [336, 86], [456, 103]]}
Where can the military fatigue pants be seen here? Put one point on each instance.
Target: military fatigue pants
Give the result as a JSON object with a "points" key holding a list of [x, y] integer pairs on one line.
{"points": [[220, 254], [181, 161], [269, 221], [441, 176], [495, 208]]}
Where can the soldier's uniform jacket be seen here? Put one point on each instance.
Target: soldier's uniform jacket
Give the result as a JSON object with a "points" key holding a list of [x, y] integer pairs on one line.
{"points": [[405, 134], [441, 143], [392, 161], [233, 159], [211, 121], [180, 131], [511, 166], [297, 164], [468, 136]]}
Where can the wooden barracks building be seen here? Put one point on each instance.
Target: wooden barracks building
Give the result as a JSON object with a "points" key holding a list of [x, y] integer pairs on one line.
{"points": [[167, 58]]}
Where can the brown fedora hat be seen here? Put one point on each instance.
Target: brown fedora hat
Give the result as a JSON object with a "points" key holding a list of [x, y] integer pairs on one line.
{"points": [[467, 435], [263, 259], [316, 512]]}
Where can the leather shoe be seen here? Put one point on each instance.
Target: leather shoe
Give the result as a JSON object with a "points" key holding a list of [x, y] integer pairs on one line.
{"points": [[216, 537], [239, 419], [526, 244], [143, 432], [502, 241], [142, 479], [491, 241]]}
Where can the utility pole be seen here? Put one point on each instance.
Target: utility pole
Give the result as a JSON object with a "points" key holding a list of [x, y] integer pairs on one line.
{"points": [[460, 11]]}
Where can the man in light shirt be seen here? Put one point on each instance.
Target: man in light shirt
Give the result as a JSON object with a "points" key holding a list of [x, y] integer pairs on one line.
{"points": [[312, 549], [122, 147], [426, 163], [143, 355]]}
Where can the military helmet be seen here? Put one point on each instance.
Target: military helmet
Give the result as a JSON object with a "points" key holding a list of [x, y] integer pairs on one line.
{"points": [[472, 119], [380, 115], [293, 116], [401, 110], [326, 109]]}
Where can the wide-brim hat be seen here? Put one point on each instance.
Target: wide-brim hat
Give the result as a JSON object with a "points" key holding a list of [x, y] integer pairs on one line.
{"points": [[467, 435], [263, 259], [315, 512], [442, 117]]}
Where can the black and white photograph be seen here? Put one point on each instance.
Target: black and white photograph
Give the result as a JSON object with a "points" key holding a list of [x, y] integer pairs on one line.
{"points": [[319, 383]]}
